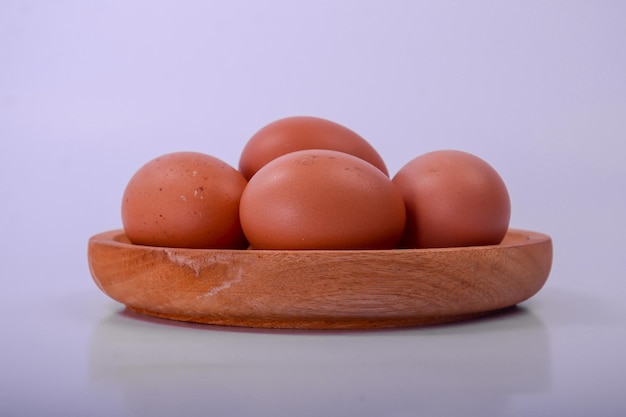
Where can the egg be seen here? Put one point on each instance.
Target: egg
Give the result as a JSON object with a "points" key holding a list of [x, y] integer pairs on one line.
{"points": [[321, 199], [452, 199], [184, 199], [300, 133]]}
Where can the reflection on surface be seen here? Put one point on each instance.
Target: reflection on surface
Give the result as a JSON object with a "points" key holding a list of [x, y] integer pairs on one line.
{"points": [[167, 368]]}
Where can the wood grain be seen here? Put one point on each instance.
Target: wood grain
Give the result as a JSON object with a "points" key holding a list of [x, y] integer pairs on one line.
{"points": [[320, 289]]}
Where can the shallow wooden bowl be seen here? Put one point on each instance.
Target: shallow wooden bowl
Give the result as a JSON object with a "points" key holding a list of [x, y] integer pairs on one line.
{"points": [[321, 289]]}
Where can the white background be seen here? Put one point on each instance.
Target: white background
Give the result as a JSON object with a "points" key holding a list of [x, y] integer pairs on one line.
{"points": [[91, 90]]}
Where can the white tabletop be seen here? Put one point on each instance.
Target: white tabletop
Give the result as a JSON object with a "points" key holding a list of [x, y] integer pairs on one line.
{"points": [[89, 92]]}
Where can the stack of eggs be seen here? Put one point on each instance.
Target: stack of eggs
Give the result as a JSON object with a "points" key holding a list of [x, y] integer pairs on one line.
{"points": [[308, 183]]}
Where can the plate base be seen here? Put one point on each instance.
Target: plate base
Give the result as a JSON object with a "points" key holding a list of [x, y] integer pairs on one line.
{"points": [[323, 324]]}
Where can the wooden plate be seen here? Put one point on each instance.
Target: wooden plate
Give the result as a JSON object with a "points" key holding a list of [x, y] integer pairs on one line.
{"points": [[321, 289]]}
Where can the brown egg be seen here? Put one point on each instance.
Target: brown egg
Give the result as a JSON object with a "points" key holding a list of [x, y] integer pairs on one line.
{"points": [[299, 133], [184, 199], [321, 199], [452, 199]]}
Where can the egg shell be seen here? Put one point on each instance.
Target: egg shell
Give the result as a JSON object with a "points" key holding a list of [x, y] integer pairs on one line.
{"points": [[297, 133], [321, 199], [184, 199], [453, 199]]}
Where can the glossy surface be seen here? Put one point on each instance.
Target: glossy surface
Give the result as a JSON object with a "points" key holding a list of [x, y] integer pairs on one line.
{"points": [[321, 199], [298, 133], [321, 289], [452, 198]]}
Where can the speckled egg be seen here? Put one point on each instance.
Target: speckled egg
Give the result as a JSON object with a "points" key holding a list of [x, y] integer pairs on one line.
{"points": [[184, 199]]}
